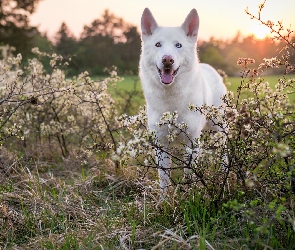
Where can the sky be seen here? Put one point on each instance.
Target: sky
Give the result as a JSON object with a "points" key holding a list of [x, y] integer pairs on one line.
{"points": [[221, 19]]}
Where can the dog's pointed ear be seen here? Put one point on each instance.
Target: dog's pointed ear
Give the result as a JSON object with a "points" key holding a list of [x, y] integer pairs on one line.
{"points": [[148, 23], [191, 24]]}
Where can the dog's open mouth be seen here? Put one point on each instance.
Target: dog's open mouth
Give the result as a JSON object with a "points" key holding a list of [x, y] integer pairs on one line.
{"points": [[167, 74]]}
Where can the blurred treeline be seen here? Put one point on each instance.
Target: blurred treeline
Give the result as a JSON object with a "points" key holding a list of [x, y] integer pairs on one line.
{"points": [[109, 41]]}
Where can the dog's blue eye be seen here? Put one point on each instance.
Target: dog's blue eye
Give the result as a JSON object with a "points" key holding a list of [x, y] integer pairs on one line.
{"points": [[158, 44], [178, 45]]}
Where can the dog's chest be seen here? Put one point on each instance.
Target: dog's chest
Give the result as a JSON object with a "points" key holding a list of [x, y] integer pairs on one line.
{"points": [[193, 120], [176, 100], [158, 107]]}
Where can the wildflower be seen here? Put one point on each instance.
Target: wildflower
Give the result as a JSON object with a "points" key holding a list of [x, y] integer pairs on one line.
{"points": [[231, 114], [189, 150], [243, 61], [191, 107], [281, 149], [70, 118], [218, 139]]}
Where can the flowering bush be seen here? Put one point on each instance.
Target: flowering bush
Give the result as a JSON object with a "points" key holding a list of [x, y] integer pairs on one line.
{"points": [[48, 111], [245, 170]]}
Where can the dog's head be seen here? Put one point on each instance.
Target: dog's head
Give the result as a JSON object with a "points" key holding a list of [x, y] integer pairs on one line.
{"points": [[169, 50]]}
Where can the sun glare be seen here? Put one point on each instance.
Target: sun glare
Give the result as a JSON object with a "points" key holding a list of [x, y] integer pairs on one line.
{"points": [[261, 31]]}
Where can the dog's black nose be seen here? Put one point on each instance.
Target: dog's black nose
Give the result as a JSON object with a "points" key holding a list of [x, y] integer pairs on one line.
{"points": [[167, 60]]}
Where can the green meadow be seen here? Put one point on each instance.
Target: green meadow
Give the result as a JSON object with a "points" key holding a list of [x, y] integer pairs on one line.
{"points": [[132, 83]]}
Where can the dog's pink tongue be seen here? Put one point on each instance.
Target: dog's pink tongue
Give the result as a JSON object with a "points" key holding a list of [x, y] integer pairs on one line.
{"points": [[167, 76]]}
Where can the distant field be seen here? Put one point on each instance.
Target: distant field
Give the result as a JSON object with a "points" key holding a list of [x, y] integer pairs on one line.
{"points": [[272, 80], [131, 82]]}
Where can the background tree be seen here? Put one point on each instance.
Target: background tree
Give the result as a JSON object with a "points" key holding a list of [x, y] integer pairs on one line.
{"points": [[224, 54], [14, 24], [210, 52], [66, 43], [109, 41], [67, 46], [42, 42], [130, 50]]}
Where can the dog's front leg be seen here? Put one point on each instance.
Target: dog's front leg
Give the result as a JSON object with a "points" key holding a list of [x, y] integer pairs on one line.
{"points": [[164, 169], [222, 129], [191, 161], [191, 154]]}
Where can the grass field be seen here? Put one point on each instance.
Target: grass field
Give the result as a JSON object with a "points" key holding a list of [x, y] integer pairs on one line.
{"points": [[130, 83]]}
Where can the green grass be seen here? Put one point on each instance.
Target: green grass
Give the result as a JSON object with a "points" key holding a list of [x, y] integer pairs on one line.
{"points": [[127, 94], [271, 79], [131, 83]]}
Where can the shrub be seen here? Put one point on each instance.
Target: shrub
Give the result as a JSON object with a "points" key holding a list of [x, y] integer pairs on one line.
{"points": [[46, 110], [242, 182]]}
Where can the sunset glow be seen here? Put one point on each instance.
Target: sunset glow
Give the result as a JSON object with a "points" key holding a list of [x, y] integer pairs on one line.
{"points": [[261, 31], [219, 19]]}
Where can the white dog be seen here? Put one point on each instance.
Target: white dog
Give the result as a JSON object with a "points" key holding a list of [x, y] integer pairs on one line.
{"points": [[172, 78]]}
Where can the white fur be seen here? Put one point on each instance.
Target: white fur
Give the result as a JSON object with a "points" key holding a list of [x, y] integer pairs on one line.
{"points": [[195, 83]]}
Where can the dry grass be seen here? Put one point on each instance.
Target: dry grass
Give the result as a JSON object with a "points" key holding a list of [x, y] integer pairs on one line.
{"points": [[65, 205], [46, 205]]}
